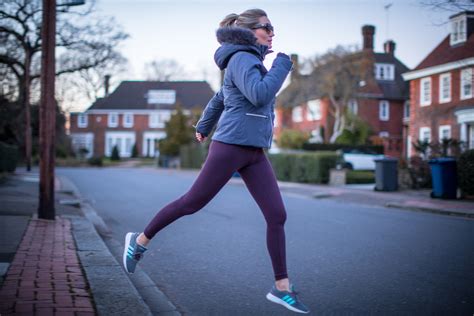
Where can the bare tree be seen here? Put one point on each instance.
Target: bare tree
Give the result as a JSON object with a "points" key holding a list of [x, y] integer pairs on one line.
{"points": [[337, 75], [80, 46], [449, 5], [164, 70]]}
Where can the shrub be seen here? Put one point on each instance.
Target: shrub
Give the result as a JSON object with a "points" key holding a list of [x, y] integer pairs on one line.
{"points": [[192, 155], [332, 147], [360, 176], [95, 161], [292, 139], [466, 172], [134, 151], [115, 154], [303, 167]]}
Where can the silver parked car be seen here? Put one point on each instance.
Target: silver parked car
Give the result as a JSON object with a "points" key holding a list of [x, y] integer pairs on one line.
{"points": [[356, 159]]}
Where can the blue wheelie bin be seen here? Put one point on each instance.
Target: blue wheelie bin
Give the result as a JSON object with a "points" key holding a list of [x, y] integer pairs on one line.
{"points": [[444, 178]]}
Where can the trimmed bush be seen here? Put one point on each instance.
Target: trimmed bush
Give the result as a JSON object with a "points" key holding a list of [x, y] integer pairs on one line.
{"points": [[360, 177], [466, 172], [8, 157], [292, 139], [134, 151], [115, 154], [303, 167], [192, 156], [95, 161]]}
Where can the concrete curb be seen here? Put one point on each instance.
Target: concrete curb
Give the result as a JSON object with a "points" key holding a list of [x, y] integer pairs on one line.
{"points": [[429, 210], [145, 292]]}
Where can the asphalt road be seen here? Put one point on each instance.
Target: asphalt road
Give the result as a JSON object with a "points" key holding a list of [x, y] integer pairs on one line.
{"points": [[344, 258]]}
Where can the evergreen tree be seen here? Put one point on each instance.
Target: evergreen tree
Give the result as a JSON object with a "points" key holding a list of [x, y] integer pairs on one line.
{"points": [[178, 132], [115, 154], [134, 151]]}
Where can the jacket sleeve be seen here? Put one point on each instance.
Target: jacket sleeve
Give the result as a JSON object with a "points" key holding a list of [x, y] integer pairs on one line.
{"points": [[258, 89], [211, 114]]}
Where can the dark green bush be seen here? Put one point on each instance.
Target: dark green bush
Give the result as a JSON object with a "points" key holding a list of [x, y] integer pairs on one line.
{"points": [[8, 157], [134, 151], [292, 139], [192, 156], [115, 154], [95, 161], [303, 167], [360, 177], [466, 172]]}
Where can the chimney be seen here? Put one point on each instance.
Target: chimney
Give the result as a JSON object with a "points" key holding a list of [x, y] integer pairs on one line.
{"points": [[296, 67], [106, 84], [368, 32], [389, 47]]}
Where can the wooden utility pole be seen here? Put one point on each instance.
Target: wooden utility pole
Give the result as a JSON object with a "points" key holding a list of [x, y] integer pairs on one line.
{"points": [[47, 150]]}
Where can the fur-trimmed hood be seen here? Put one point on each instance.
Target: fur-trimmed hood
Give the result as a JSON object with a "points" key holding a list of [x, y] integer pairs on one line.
{"points": [[234, 39]]}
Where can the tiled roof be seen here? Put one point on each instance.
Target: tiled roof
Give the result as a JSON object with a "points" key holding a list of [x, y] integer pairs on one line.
{"points": [[445, 53], [132, 95]]}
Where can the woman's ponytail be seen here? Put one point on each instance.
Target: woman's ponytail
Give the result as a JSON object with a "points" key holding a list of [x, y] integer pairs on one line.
{"points": [[229, 20]]}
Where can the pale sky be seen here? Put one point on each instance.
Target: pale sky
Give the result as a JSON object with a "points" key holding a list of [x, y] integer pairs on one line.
{"points": [[184, 30]]}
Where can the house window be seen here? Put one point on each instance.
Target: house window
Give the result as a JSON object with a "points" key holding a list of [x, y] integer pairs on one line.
{"points": [[445, 88], [297, 114], [128, 120], [161, 97], [466, 83], [112, 120], [353, 106], [425, 134], [314, 110], [406, 110], [444, 132], [384, 110], [384, 72], [123, 140], [82, 120], [383, 134], [425, 91], [458, 30]]}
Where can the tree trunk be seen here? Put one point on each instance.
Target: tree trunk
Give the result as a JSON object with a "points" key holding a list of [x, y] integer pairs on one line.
{"points": [[339, 120]]}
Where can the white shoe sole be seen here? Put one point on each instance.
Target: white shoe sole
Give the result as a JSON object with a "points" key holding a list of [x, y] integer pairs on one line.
{"points": [[274, 299], [127, 243]]}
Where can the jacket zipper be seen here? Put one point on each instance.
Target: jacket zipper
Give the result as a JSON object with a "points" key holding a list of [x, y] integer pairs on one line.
{"points": [[257, 115]]}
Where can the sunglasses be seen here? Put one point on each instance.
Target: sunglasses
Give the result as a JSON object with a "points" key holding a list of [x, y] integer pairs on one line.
{"points": [[266, 26]]}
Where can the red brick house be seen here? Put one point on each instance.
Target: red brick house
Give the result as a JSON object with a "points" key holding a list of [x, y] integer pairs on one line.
{"points": [[441, 96], [135, 113], [380, 101]]}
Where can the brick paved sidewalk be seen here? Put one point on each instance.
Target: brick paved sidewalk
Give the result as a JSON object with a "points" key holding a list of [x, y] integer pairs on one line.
{"points": [[45, 277]]}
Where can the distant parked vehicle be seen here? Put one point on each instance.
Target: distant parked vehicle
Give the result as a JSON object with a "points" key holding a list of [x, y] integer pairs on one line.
{"points": [[356, 159]]}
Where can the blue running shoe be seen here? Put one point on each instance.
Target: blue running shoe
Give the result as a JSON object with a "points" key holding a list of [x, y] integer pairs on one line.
{"points": [[132, 252], [287, 299]]}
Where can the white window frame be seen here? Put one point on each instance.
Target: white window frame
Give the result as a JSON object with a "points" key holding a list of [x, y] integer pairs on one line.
{"points": [[422, 132], [384, 71], [297, 114], [82, 120], [465, 76], [423, 101], [384, 134], [442, 98], [444, 128], [83, 140], [313, 110], [353, 106], [161, 96], [276, 118], [382, 104], [154, 120], [127, 120], [406, 110], [458, 30], [110, 121], [122, 139]]}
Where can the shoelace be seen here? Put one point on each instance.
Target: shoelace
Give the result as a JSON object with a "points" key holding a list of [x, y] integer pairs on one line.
{"points": [[137, 255]]}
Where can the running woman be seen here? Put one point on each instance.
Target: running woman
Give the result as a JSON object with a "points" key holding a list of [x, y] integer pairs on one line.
{"points": [[244, 112]]}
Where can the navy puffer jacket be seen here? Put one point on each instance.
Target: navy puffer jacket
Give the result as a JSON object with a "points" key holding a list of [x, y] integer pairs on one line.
{"points": [[244, 106]]}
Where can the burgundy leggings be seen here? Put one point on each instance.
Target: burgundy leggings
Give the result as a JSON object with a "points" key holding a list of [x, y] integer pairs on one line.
{"points": [[252, 164]]}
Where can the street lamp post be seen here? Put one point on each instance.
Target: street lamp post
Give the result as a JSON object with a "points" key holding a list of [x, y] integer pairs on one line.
{"points": [[47, 111]]}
